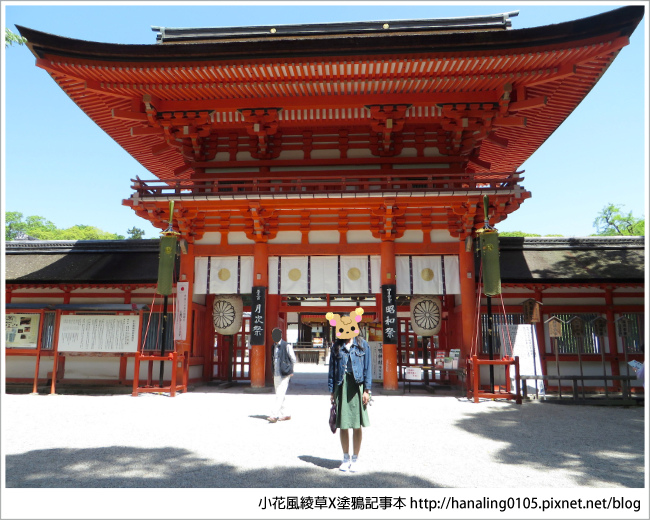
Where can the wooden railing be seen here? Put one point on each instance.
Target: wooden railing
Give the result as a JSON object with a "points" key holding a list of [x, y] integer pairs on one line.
{"points": [[413, 181], [311, 355]]}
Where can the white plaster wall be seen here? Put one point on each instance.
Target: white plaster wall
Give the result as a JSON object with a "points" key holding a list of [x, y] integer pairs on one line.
{"points": [[210, 239], [24, 366], [287, 237], [361, 236], [569, 302], [291, 154], [324, 237], [442, 235], [239, 237], [413, 236], [629, 301], [17, 299]]}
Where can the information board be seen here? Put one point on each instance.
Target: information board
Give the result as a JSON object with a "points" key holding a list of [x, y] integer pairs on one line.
{"points": [[524, 345], [98, 333], [21, 330], [377, 360], [181, 309]]}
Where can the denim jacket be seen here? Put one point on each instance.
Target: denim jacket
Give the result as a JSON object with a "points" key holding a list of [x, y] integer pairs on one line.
{"points": [[361, 365]]}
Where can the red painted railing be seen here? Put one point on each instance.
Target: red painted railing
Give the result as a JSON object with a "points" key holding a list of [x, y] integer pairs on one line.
{"points": [[412, 181]]}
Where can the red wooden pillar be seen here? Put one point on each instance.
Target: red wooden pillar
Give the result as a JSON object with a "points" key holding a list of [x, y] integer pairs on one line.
{"points": [[185, 346], [260, 279], [612, 339], [389, 349], [272, 321], [55, 347], [468, 298]]}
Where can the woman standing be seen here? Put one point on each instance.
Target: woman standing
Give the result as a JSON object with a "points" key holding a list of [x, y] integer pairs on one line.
{"points": [[349, 382]]}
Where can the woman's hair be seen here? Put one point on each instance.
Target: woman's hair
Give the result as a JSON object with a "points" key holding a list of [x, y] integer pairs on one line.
{"points": [[339, 342]]}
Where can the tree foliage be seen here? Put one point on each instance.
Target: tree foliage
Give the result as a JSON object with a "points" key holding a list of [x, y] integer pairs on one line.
{"points": [[11, 38], [135, 233], [611, 221], [517, 234], [17, 226]]}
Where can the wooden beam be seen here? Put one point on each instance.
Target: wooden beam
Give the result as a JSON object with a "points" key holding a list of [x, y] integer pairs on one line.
{"points": [[160, 148], [146, 130], [479, 162], [333, 101], [554, 74], [499, 141], [182, 169], [509, 121], [127, 114], [526, 104]]}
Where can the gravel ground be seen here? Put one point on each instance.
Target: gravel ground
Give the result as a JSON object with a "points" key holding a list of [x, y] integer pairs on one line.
{"points": [[214, 437]]}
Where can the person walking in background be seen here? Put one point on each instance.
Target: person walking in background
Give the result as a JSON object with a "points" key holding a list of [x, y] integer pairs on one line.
{"points": [[283, 361], [349, 382]]}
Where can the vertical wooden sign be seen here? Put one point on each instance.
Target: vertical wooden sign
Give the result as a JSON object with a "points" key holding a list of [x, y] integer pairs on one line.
{"points": [[258, 315], [389, 313]]}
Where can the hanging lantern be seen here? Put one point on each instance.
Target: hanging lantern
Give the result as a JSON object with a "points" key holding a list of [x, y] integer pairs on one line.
{"points": [[623, 327], [426, 314], [554, 327], [489, 246], [600, 327], [531, 311], [227, 312], [577, 326], [166, 263]]}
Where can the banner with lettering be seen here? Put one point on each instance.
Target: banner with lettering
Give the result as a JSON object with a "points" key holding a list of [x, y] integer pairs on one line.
{"points": [[258, 315], [389, 313]]}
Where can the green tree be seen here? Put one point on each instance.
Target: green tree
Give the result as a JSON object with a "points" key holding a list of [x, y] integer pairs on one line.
{"points": [[136, 233], [517, 234], [11, 38], [16, 225], [612, 222]]}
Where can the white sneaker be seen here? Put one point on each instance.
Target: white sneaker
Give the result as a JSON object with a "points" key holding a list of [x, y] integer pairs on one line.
{"points": [[354, 465], [345, 465]]}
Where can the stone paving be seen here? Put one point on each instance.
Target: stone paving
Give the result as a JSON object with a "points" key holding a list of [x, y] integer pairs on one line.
{"points": [[217, 437]]}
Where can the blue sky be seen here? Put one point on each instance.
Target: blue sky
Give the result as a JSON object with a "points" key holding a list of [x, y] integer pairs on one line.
{"points": [[58, 164]]}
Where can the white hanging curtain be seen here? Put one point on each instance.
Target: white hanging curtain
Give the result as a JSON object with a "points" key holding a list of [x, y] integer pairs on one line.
{"points": [[427, 275], [452, 274], [223, 275], [201, 275], [324, 274], [294, 275], [320, 275], [354, 274]]}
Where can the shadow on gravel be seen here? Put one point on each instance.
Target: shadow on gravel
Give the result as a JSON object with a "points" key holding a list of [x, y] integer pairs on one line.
{"points": [[121, 467], [595, 445]]}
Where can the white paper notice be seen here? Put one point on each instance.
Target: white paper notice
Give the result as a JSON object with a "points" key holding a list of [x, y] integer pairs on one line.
{"points": [[98, 333]]}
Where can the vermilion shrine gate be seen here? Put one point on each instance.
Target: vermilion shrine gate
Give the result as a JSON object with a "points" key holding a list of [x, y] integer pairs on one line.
{"points": [[322, 163]]}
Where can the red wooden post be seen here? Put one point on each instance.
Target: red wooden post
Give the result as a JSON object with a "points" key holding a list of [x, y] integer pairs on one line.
{"points": [[38, 352], [260, 279], [475, 376], [57, 320]]}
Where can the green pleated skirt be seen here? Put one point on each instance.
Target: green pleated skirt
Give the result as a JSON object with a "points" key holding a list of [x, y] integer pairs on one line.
{"points": [[349, 405]]}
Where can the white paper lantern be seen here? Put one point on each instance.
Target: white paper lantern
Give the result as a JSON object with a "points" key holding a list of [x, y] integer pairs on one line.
{"points": [[426, 315], [227, 312]]}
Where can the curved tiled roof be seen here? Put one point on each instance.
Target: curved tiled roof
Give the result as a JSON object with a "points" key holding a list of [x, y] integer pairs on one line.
{"points": [[82, 261], [523, 260], [529, 80]]}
